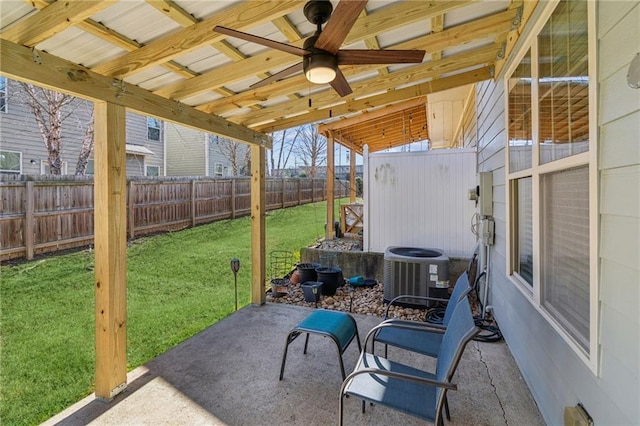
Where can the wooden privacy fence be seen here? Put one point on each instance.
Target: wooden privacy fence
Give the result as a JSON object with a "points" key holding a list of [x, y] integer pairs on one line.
{"points": [[43, 216]]}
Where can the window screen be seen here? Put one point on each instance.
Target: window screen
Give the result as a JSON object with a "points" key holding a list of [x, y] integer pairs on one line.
{"points": [[565, 250]]}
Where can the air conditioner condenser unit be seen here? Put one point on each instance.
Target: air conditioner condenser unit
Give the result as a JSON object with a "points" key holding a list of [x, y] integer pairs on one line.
{"points": [[416, 272]]}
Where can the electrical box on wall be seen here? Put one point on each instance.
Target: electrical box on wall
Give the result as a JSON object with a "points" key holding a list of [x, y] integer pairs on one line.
{"points": [[486, 194]]}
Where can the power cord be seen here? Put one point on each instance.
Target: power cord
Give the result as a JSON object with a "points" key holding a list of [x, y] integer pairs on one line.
{"points": [[489, 331]]}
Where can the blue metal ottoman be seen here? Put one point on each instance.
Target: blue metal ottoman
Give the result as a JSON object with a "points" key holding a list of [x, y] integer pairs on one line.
{"points": [[339, 326]]}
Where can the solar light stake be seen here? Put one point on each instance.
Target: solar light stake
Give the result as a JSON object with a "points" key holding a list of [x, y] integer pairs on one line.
{"points": [[235, 267]]}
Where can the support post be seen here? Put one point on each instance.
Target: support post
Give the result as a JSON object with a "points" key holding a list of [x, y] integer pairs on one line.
{"points": [[28, 221], [258, 226], [352, 177], [110, 218], [331, 182]]}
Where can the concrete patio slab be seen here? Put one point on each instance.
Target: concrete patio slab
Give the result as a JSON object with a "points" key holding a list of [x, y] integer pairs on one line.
{"points": [[228, 375]]}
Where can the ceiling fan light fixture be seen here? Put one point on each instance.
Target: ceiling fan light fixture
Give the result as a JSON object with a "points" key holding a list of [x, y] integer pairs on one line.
{"points": [[320, 68]]}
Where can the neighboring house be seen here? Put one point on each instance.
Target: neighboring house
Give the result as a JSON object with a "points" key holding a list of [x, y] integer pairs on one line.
{"points": [[340, 172], [189, 152], [22, 149], [560, 136]]}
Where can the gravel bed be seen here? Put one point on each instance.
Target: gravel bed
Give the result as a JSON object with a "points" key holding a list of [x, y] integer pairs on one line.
{"points": [[363, 300]]}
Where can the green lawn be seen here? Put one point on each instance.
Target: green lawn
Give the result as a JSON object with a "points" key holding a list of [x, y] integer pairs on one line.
{"points": [[178, 284]]}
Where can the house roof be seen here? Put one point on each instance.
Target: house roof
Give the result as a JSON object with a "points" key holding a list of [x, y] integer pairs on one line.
{"points": [[166, 54]]}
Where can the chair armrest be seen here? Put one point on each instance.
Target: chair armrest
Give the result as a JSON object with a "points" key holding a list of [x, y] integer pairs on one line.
{"points": [[401, 376], [429, 325], [406, 325]]}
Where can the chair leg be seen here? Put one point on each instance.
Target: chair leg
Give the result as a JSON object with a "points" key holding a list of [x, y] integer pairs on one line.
{"points": [[290, 338], [344, 376], [306, 342], [446, 408], [340, 409]]}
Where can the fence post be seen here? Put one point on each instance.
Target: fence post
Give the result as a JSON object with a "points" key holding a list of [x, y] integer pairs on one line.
{"points": [[283, 192], [28, 221], [299, 192], [233, 197], [193, 203], [131, 202]]}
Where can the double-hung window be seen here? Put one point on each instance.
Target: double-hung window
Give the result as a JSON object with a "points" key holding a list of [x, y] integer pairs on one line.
{"points": [[552, 174], [153, 129]]}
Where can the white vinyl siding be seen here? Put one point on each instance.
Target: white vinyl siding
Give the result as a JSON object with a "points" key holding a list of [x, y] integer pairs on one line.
{"points": [[185, 151]]}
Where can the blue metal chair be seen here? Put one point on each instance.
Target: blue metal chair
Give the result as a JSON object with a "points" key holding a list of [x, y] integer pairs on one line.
{"points": [[426, 338], [408, 389]]}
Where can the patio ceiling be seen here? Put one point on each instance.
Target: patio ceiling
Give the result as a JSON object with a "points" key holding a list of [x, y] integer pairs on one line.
{"points": [[169, 48]]}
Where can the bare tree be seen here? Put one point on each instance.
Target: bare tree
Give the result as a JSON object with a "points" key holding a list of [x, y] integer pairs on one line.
{"points": [[50, 111], [86, 148], [235, 152], [283, 144], [311, 149]]}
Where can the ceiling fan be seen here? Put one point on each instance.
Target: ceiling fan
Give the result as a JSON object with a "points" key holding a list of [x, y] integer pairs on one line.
{"points": [[321, 53]]}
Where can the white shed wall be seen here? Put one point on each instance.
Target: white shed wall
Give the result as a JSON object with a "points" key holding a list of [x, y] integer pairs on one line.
{"points": [[420, 199]]}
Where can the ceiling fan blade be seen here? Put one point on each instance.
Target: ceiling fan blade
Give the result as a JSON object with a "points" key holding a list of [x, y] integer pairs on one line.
{"points": [[339, 25], [278, 76], [340, 84], [362, 57], [294, 50]]}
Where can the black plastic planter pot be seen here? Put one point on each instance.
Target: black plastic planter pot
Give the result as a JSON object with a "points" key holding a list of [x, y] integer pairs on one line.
{"points": [[279, 287], [307, 272], [330, 278]]}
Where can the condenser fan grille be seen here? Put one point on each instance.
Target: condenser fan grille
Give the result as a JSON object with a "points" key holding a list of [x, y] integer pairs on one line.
{"points": [[415, 252]]}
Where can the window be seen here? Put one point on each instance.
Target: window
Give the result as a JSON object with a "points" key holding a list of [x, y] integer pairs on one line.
{"points": [[10, 162], [520, 136], [152, 170], [551, 175], [565, 250], [45, 168], [218, 169], [3, 94], [563, 83], [522, 253], [153, 129], [90, 167]]}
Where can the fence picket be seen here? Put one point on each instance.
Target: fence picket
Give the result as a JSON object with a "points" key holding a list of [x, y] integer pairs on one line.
{"points": [[45, 214]]}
